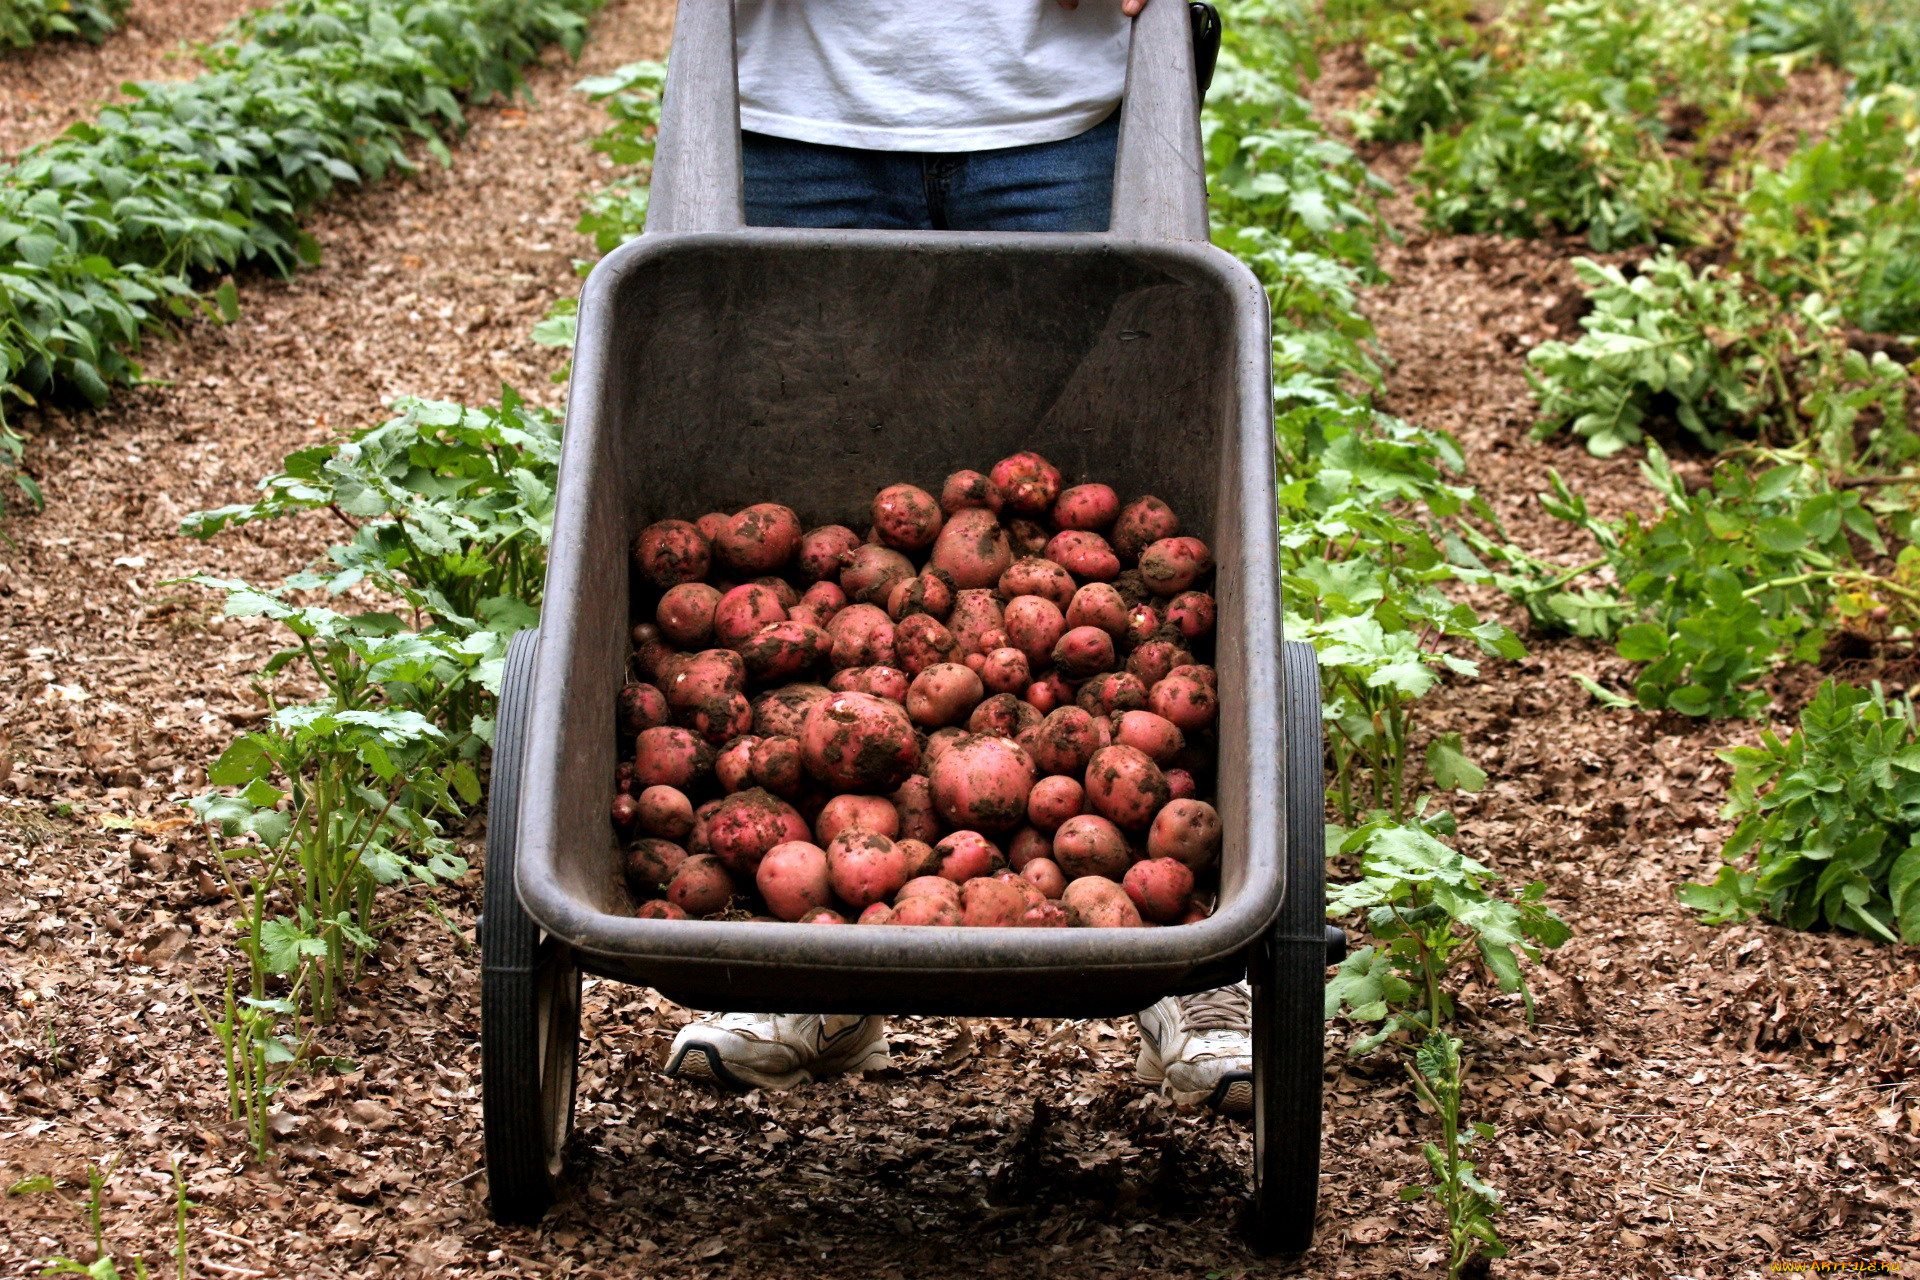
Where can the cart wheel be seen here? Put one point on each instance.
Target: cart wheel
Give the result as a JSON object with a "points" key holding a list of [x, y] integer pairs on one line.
{"points": [[1289, 974], [529, 992]]}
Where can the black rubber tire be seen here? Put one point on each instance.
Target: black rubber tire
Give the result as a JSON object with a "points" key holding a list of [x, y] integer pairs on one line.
{"points": [[1288, 975], [529, 992]]}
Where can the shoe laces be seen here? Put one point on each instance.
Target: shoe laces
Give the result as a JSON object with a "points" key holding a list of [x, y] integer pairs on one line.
{"points": [[1222, 1009]]}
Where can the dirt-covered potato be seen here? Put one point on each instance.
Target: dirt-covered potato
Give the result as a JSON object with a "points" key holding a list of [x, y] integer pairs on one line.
{"points": [[1033, 576], [780, 713], [1157, 736], [743, 611], [1141, 523], [1172, 565], [1053, 800], [1187, 831], [792, 877], [1159, 888], [733, 766], [701, 886], [1028, 482], [671, 552], [824, 552], [861, 635], [761, 539], [871, 573], [1084, 554], [865, 867], [1125, 786], [1154, 660], [1045, 875], [982, 783], [747, 824], [673, 757], [1089, 845], [989, 903], [857, 742], [1111, 692], [913, 808], [642, 707], [920, 641], [1003, 715], [966, 854], [1095, 902], [1083, 652], [685, 614], [1026, 845], [943, 694], [659, 909], [1186, 700], [651, 865], [906, 518], [1086, 506], [850, 812]]}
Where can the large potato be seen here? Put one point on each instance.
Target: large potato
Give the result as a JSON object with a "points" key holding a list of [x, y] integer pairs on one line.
{"points": [[982, 783]]}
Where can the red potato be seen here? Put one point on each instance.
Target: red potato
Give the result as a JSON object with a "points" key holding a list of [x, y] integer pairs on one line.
{"points": [[973, 549], [890, 683], [966, 854], [643, 632], [720, 719], [1086, 506], [943, 694], [824, 598], [1028, 482], [781, 650], [1193, 614], [659, 909], [930, 593], [734, 765], [701, 886], [1048, 915], [671, 552], [824, 552], [857, 742], [623, 778], [1089, 845], [877, 913], [1083, 554], [1045, 875], [987, 903], [906, 518], [697, 842], [1157, 736], [761, 539], [699, 678], [925, 910], [712, 524], [822, 915], [1065, 741], [1187, 831], [1095, 902], [1032, 576], [1053, 800], [1200, 671], [651, 864], [1172, 565], [871, 573], [921, 859], [920, 641], [685, 614], [1029, 895], [861, 635], [851, 812], [937, 887], [643, 707], [1026, 537], [747, 824], [936, 746], [781, 713], [1180, 785], [743, 611], [1098, 605], [1111, 692], [1155, 660], [1082, 652], [626, 810], [865, 867], [975, 618], [775, 764], [1005, 670], [982, 783], [1003, 716], [1143, 623], [1188, 701], [1125, 786], [1026, 845], [665, 812], [793, 878], [1049, 693], [673, 757], [1141, 523], [1034, 625], [914, 814], [965, 489], [1159, 888], [656, 659], [780, 587]]}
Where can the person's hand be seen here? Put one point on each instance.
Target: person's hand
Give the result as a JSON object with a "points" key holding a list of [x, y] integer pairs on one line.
{"points": [[1131, 8]]}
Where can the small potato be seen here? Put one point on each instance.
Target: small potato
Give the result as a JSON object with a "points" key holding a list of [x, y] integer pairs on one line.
{"points": [[1082, 652], [642, 707], [747, 824], [890, 683], [927, 911], [1028, 482], [623, 778], [780, 651], [1172, 565], [865, 867], [781, 588], [877, 913], [1048, 915], [863, 813], [921, 859], [793, 879], [1098, 605], [659, 909], [625, 810], [780, 713], [1186, 700], [1187, 831], [914, 812], [857, 742], [1181, 785], [973, 549], [931, 593], [906, 518], [822, 915], [819, 603], [671, 552], [1003, 716], [760, 539], [1026, 845], [1033, 576], [986, 903], [1029, 895], [1044, 695], [975, 618], [937, 887], [1095, 902], [861, 635], [1155, 660], [1159, 888], [775, 764], [1034, 624], [665, 812], [697, 842], [936, 746], [1140, 524], [824, 552], [720, 719], [733, 766], [966, 854], [1045, 875], [1086, 506], [1143, 623], [1112, 692], [920, 641], [1053, 800], [965, 489], [743, 611], [1160, 738], [1089, 845], [1125, 786], [1192, 613], [651, 864], [1065, 742], [943, 694], [1083, 554], [1200, 671], [871, 573], [1005, 671], [685, 614], [982, 783], [712, 524], [672, 757], [701, 886], [701, 677]]}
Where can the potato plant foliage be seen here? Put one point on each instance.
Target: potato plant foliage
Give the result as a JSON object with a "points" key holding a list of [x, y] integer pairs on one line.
{"points": [[26, 22]]}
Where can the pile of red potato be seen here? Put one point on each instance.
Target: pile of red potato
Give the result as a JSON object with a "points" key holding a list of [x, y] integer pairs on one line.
{"points": [[1014, 729]]}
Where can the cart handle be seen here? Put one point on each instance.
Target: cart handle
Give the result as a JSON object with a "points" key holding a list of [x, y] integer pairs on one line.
{"points": [[1159, 181]]}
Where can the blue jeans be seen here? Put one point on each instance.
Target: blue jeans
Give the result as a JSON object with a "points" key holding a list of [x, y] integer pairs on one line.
{"points": [[1050, 186]]}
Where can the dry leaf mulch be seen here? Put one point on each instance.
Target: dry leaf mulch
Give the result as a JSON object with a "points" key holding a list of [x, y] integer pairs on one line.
{"points": [[1688, 1101]]}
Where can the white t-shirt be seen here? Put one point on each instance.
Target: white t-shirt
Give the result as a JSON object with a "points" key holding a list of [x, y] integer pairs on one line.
{"points": [[929, 75]]}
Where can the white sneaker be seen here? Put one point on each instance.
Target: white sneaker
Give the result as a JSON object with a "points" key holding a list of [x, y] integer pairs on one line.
{"points": [[1199, 1048], [777, 1050]]}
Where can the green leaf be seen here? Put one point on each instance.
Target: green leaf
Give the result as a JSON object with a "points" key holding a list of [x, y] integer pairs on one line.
{"points": [[226, 300], [1451, 769]]}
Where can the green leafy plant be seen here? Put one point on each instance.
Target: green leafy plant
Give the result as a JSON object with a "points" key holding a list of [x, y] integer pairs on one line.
{"points": [[104, 1265], [26, 22], [1467, 1202], [1428, 76], [258, 1060], [1828, 821]]}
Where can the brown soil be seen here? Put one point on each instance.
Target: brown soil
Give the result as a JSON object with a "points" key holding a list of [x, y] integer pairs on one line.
{"points": [[56, 82], [1688, 1101]]}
